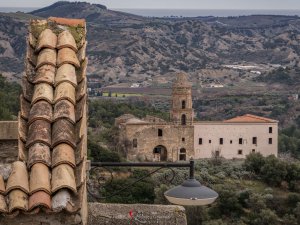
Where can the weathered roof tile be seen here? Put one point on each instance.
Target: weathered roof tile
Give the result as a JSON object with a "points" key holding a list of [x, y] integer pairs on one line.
{"points": [[17, 199], [47, 39], [39, 131], [45, 74], [67, 55], [39, 153], [18, 178], [22, 151], [2, 185], [66, 73], [38, 199], [81, 89], [64, 109], [65, 91], [63, 177], [27, 89], [81, 72], [3, 205], [63, 154], [39, 178], [63, 131], [41, 110], [80, 108], [46, 56], [42, 91], [24, 107], [66, 40], [82, 53], [22, 128]]}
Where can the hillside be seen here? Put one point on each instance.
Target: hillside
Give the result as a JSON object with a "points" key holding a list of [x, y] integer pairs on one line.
{"points": [[128, 48]]}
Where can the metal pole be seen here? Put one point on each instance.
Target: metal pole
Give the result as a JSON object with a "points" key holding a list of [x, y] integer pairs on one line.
{"points": [[192, 169], [142, 164]]}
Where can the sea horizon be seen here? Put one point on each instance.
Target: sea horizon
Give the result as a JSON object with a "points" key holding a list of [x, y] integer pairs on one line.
{"points": [[181, 12]]}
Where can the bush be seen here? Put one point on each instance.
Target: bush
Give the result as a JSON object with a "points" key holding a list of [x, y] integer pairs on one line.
{"points": [[254, 162], [100, 154]]}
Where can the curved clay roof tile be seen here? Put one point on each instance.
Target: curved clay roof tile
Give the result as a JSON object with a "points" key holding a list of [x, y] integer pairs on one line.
{"points": [[3, 205], [31, 40], [81, 89], [80, 108], [81, 73], [22, 128], [31, 57], [42, 91], [63, 177], [82, 52], [66, 40], [47, 39], [30, 72], [39, 131], [67, 55], [63, 131], [22, 151], [81, 128], [66, 73], [65, 91], [27, 89], [39, 153], [18, 178], [62, 200], [24, 107], [46, 57], [17, 199], [39, 178], [41, 110], [63, 154], [38, 199], [80, 151], [45, 74], [2, 185], [64, 109]]}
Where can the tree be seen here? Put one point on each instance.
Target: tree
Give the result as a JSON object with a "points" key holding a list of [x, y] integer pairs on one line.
{"points": [[254, 162]]}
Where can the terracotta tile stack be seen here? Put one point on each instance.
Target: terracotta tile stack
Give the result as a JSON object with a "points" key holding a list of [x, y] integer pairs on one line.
{"points": [[50, 174]]}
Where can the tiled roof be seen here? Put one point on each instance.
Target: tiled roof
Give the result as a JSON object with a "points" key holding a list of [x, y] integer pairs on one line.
{"points": [[248, 118], [50, 173]]}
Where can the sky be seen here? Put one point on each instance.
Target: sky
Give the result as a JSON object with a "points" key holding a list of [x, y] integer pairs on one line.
{"points": [[171, 4]]}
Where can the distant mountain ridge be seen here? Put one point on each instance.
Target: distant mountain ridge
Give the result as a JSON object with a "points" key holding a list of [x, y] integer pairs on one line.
{"points": [[129, 48]]}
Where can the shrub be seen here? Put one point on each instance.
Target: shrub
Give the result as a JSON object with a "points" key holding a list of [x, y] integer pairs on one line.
{"points": [[254, 162]]}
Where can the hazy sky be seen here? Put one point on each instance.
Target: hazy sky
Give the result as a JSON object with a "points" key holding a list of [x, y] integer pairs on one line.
{"points": [[174, 4]]}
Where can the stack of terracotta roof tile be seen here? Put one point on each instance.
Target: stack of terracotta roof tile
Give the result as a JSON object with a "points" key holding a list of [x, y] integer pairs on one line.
{"points": [[50, 173]]}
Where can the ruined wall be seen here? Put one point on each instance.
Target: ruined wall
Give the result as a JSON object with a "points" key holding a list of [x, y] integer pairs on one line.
{"points": [[173, 139]]}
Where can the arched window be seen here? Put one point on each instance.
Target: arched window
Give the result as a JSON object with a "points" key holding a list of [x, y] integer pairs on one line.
{"points": [[134, 143], [183, 104], [182, 154], [183, 119]]}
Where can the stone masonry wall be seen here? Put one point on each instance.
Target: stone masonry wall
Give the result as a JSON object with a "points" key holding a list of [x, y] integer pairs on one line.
{"points": [[8, 151]]}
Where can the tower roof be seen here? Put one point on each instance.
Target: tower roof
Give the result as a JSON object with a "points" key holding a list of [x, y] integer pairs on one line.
{"points": [[181, 80]]}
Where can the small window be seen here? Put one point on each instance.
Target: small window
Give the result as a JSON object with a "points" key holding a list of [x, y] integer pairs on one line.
{"points": [[240, 141], [209, 141], [134, 143], [230, 141], [183, 139], [240, 152], [270, 141], [183, 104], [270, 130], [254, 140], [221, 141], [182, 154], [253, 150], [183, 119], [160, 133], [217, 153], [200, 141]]}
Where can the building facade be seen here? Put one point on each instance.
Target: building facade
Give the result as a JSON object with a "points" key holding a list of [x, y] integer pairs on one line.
{"points": [[153, 139]]}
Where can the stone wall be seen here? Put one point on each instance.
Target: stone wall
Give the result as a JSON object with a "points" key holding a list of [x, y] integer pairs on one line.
{"points": [[8, 151], [173, 139], [120, 214], [112, 214]]}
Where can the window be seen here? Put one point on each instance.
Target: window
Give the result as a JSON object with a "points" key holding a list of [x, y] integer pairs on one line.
{"points": [[270, 141], [253, 150], [240, 152], [217, 153], [183, 104], [182, 154], [209, 141], [134, 143], [183, 119], [160, 133], [200, 141], [240, 141], [221, 141], [270, 130], [230, 141], [254, 140], [183, 139]]}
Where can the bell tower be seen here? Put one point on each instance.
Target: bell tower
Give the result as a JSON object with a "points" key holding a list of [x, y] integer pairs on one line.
{"points": [[182, 112]]}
